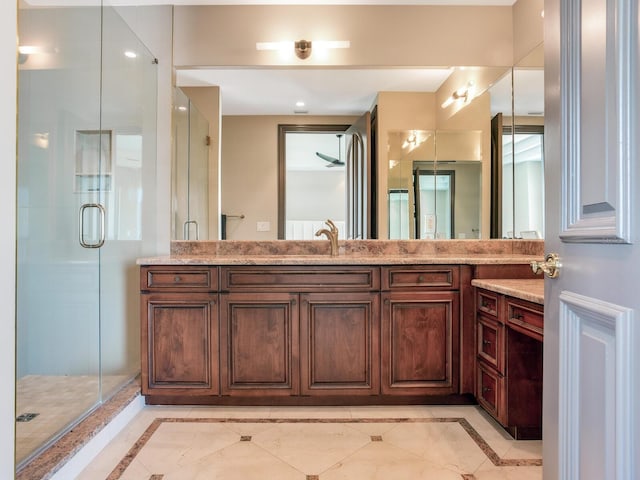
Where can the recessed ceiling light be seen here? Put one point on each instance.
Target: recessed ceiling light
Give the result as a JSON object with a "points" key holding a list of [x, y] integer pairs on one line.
{"points": [[130, 54]]}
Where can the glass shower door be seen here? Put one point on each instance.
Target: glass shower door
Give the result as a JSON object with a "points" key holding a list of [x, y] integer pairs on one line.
{"points": [[129, 96], [61, 153], [86, 183]]}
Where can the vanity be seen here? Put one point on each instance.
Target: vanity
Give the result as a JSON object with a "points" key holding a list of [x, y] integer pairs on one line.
{"points": [[285, 323], [509, 352]]}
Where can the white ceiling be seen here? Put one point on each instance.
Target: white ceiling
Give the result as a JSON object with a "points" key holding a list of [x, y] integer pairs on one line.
{"points": [[325, 91]]}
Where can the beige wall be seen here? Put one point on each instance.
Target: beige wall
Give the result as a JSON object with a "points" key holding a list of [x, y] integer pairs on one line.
{"points": [[528, 28], [249, 170], [379, 35]]}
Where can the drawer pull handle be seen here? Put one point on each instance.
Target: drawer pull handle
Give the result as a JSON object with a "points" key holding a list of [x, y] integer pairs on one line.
{"points": [[517, 316], [486, 389], [177, 279]]}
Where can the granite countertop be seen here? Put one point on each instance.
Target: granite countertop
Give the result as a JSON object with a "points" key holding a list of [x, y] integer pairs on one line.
{"points": [[531, 290], [351, 252], [411, 259]]}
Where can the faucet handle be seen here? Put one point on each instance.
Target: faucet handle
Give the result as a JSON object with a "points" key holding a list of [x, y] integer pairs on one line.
{"points": [[332, 227]]}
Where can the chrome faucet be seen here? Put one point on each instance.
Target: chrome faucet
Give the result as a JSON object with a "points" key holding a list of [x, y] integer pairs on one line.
{"points": [[332, 236]]}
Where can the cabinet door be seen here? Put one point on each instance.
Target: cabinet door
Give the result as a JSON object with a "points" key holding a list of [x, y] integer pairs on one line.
{"points": [[179, 338], [339, 343], [420, 345], [259, 344]]}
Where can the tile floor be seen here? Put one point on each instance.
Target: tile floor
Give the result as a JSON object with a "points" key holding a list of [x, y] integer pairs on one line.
{"points": [[315, 443]]}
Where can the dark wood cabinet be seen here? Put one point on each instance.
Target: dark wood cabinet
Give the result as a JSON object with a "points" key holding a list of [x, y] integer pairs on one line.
{"points": [[339, 348], [259, 344], [179, 334], [419, 353], [179, 342], [509, 347], [420, 322], [332, 334]]}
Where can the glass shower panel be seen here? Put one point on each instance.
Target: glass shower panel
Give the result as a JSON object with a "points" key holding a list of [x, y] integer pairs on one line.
{"points": [[190, 170], [129, 93], [61, 153], [434, 204]]}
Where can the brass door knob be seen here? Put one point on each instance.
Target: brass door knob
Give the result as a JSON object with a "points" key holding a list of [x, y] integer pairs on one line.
{"points": [[550, 266]]}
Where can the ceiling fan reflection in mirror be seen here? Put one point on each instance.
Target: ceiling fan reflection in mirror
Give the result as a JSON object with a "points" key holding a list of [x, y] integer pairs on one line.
{"points": [[333, 161]]}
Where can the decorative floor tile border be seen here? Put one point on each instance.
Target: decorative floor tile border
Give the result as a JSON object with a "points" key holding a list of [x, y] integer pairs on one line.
{"points": [[463, 422]]}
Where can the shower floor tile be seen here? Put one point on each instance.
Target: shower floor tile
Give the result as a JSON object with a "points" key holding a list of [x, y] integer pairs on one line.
{"points": [[58, 401]]}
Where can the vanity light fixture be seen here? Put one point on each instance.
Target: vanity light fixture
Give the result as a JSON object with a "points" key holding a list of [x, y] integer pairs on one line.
{"points": [[463, 94], [302, 48], [415, 139], [25, 51]]}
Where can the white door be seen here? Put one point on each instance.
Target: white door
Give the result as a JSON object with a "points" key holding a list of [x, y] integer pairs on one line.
{"points": [[591, 368]]}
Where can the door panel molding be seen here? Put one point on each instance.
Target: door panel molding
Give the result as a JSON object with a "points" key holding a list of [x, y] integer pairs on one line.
{"points": [[596, 203], [596, 389]]}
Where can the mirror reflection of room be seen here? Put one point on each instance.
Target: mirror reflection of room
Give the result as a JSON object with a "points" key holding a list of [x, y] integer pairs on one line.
{"points": [[315, 183], [461, 98]]}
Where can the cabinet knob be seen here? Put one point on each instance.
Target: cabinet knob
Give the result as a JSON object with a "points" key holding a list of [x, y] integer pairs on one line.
{"points": [[293, 302], [486, 342], [177, 279], [386, 301], [420, 278], [517, 316], [486, 389]]}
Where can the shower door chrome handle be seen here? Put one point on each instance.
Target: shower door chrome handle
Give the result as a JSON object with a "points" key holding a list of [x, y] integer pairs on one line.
{"points": [[185, 229], [81, 239]]}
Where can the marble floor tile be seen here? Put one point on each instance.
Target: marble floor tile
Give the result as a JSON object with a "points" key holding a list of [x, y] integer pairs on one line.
{"points": [[446, 445], [291, 443], [379, 461], [312, 447]]}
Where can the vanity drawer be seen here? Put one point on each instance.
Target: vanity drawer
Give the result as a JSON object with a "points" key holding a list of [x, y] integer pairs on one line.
{"points": [[182, 278], [437, 277], [491, 389], [487, 302], [490, 338], [525, 317], [299, 279]]}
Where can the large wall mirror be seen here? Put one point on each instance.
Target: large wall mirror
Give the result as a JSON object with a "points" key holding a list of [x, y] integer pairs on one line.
{"points": [[458, 154]]}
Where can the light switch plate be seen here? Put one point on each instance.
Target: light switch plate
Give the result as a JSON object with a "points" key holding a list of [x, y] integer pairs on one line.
{"points": [[263, 226]]}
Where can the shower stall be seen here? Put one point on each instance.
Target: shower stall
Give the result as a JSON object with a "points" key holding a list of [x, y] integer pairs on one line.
{"points": [[86, 184]]}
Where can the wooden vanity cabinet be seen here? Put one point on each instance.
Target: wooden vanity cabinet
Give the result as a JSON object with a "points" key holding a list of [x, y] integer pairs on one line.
{"points": [[509, 335], [179, 330], [420, 325], [259, 344], [289, 330], [339, 343]]}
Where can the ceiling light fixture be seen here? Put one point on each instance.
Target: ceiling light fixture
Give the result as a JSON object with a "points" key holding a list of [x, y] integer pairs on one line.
{"points": [[463, 94], [302, 48]]}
